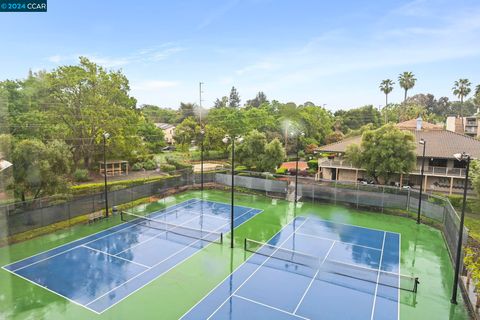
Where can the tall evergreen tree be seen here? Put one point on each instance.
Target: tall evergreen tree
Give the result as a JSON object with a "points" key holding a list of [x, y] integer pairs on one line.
{"points": [[407, 81], [234, 100]]}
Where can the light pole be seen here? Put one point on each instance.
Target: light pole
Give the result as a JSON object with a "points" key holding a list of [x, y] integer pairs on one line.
{"points": [[460, 157], [424, 143], [106, 135], [296, 165], [202, 133], [232, 218]]}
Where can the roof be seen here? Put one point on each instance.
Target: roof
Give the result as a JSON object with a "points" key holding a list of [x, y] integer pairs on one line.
{"points": [[440, 144], [4, 164], [164, 126], [412, 125]]}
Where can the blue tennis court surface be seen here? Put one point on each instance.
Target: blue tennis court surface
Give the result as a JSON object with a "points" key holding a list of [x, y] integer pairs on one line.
{"points": [[312, 269], [100, 270]]}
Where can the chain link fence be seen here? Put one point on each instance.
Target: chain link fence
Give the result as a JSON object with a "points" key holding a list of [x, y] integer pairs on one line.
{"points": [[24, 216], [372, 197]]}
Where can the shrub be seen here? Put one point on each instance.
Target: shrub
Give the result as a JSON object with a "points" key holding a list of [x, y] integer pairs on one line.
{"points": [[240, 168], [137, 166], [313, 164], [281, 171], [98, 187], [167, 167], [150, 165], [81, 175], [179, 165]]}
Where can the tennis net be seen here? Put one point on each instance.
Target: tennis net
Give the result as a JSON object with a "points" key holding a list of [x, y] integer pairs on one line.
{"points": [[200, 234], [354, 272]]}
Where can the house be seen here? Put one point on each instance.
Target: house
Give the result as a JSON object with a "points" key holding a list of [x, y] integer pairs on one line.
{"points": [[168, 130], [469, 125], [442, 172]]}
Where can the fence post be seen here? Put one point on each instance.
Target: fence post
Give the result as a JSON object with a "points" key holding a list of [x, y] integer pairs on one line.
{"points": [[408, 200], [335, 192], [383, 197], [358, 191]]}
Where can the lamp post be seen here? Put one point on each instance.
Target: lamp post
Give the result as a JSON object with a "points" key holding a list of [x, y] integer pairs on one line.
{"points": [[106, 135], [232, 218], [202, 133], [424, 143], [460, 157], [296, 166]]}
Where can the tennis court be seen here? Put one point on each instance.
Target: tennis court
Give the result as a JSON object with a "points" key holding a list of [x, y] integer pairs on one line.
{"points": [[313, 269], [101, 270]]}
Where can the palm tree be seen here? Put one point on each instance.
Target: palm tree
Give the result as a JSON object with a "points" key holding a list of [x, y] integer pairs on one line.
{"points": [[386, 86], [461, 89], [407, 81]]}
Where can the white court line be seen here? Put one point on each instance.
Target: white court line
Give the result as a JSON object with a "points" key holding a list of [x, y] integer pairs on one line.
{"points": [[351, 225], [111, 255], [126, 226], [270, 307], [349, 243], [155, 265], [378, 277], [399, 271], [155, 236], [258, 268], [49, 290], [313, 279], [237, 268]]}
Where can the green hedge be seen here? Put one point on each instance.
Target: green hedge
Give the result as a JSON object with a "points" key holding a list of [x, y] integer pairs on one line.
{"points": [[313, 164], [97, 187], [208, 155]]}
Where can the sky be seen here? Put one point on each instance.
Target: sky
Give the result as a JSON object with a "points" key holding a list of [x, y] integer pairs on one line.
{"points": [[333, 53]]}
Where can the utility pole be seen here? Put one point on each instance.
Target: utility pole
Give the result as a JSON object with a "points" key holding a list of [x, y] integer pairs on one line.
{"points": [[200, 99]]}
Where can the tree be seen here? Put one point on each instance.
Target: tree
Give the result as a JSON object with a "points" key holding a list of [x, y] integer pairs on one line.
{"points": [[273, 157], [461, 89], [384, 152], [256, 154], [153, 137], [256, 102], [316, 122], [158, 115], [213, 138], [221, 103], [186, 110], [234, 99], [355, 118], [407, 81], [88, 101], [187, 131], [40, 169], [476, 98], [386, 86]]}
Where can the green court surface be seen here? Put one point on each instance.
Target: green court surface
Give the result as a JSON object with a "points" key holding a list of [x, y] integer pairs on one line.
{"points": [[423, 253]]}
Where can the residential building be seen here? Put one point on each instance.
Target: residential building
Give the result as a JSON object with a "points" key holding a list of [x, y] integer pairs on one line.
{"points": [[442, 172], [469, 125], [168, 130]]}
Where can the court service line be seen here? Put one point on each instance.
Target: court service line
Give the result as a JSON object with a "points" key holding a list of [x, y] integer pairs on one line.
{"points": [[157, 235], [157, 264], [258, 268], [51, 291], [237, 268], [352, 225], [124, 226], [314, 277], [349, 243], [269, 306], [378, 277], [111, 255]]}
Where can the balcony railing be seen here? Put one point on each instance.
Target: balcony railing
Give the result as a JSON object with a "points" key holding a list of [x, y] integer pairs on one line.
{"points": [[430, 170]]}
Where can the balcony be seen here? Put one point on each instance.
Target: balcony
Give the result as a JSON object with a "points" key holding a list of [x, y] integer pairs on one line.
{"points": [[428, 170]]}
